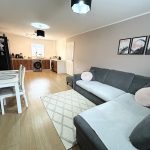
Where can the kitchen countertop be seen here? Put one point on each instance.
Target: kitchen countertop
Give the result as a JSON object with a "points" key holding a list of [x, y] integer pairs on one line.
{"points": [[30, 59], [57, 60]]}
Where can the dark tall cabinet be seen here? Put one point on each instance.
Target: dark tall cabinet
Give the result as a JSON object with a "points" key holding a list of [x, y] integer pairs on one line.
{"points": [[5, 63]]}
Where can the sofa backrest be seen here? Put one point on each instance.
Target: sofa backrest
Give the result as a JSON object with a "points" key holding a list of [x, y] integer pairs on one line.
{"points": [[125, 81], [138, 83], [99, 74], [119, 79]]}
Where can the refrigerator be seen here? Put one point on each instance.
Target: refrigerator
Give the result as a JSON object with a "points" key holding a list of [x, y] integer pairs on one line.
{"points": [[5, 62]]}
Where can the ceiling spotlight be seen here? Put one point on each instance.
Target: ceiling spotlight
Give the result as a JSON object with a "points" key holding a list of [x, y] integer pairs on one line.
{"points": [[81, 6], [40, 26]]}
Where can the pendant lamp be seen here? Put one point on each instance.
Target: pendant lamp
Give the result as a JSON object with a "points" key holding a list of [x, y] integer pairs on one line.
{"points": [[81, 6]]}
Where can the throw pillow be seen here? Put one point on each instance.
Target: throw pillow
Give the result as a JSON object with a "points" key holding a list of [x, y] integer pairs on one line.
{"points": [[140, 136], [86, 76], [142, 96]]}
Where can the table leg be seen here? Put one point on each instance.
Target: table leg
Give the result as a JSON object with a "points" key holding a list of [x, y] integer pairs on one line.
{"points": [[18, 99]]}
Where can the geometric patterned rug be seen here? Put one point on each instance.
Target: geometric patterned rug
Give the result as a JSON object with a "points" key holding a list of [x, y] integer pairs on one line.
{"points": [[62, 107]]}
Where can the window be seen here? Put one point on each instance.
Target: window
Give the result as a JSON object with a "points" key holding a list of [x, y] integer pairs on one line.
{"points": [[37, 50]]}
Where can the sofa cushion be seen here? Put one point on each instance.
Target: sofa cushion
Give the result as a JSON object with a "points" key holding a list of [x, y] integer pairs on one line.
{"points": [[138, 83], [142, 96], [140, 136], [119, 79], [101, 90], [114, 121], [99, 74]]}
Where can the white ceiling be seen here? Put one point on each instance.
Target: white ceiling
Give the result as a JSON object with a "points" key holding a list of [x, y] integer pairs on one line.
{"points": [[16, 15]]}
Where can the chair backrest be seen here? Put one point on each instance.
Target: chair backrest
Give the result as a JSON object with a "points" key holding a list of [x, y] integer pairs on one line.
{"points": [[19, 74], [22, 78]]}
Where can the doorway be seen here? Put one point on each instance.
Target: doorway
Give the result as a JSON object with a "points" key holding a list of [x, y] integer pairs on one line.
{"points": [[69, 58]]}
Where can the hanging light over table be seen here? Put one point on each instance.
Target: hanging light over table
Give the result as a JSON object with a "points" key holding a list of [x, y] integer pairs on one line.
{"points": [[40, 33], [81, 6]]}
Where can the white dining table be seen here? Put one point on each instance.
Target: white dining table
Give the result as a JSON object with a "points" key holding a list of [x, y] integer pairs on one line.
{"points": [[10, 78]]}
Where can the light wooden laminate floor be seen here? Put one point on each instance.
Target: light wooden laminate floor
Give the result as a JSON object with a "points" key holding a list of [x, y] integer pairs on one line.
{"points": [[32, 130]]}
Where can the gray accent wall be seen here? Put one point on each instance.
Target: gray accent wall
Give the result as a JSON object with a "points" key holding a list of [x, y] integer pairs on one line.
{"points": [[99, 47]]}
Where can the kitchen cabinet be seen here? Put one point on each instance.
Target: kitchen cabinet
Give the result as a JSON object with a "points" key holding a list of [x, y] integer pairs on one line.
{"points": [[28, 63], [46, 64]]}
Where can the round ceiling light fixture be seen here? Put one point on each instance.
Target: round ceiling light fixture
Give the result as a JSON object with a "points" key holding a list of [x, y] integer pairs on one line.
{"points": [[81, 6], [39, 25]]}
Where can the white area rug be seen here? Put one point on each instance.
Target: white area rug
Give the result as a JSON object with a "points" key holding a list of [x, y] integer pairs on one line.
{"points": [[62, 107]]}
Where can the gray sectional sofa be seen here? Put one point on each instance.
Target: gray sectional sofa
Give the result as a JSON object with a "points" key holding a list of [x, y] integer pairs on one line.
{"points": [[108, 126]]}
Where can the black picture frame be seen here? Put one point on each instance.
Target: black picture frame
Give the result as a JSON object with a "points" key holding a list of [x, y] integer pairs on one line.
{"points": [[138, 45], [124, 46], [147, 51]]}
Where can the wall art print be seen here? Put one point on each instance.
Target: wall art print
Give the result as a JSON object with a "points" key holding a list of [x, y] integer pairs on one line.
{"points": [[124, 46], [147, 52], [138, 45]]}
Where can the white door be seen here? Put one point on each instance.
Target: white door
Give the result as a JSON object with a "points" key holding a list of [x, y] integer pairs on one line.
{"points": [[69, 57]]}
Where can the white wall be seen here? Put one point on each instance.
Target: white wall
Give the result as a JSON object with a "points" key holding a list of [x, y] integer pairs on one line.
{"points": [[99, 47], [61, 48], [21, 44]]}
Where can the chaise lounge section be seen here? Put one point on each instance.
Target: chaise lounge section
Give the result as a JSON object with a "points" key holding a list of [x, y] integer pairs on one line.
{"points": [[108, 126]]}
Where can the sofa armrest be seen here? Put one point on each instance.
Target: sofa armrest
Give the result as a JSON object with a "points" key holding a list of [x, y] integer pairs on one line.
{"points": [[76, 77], [86, 136]]}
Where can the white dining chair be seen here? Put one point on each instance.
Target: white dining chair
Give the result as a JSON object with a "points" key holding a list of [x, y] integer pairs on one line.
{"points": [[19, 79], [9, 92]]}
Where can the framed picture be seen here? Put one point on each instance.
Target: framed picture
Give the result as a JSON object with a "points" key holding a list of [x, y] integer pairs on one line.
{"points": [[124, 45], [138, 45], [147, 52]]}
